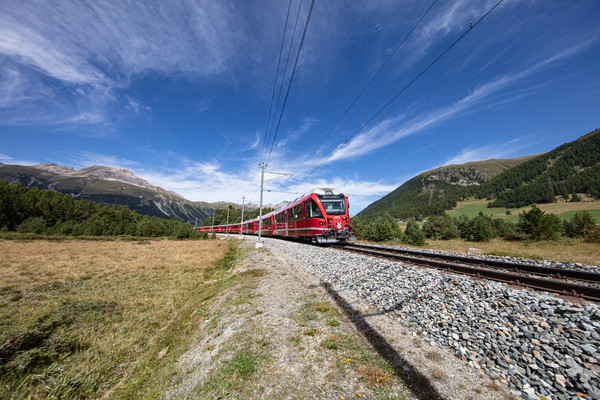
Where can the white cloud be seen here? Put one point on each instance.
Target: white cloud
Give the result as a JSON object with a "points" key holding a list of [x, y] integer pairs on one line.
{"points": [[396, 128], [492, 150], [480, 154], [88, 159], [94, 49], [6, 159]]}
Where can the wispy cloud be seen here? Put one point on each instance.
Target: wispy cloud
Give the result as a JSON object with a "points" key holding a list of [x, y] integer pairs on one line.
{"points": [[6, 159], [489, 151], [485, 95], [88, 159], [198, 181], [94, 49]]}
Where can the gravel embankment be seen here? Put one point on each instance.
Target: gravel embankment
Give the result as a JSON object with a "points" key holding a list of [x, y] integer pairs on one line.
{"points": [[536, 343], [520, 260]]}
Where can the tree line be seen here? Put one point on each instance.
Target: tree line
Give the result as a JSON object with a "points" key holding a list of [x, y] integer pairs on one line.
{"points": [[232, 215], [565, 171], [534, 224], [569, 169], [51, 213]]}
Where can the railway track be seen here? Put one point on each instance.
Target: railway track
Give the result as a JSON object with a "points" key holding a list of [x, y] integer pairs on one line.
{"points": [[581, 284]]}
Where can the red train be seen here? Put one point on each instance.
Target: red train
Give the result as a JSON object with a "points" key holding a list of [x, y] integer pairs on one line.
{"points": [[319, 217]]}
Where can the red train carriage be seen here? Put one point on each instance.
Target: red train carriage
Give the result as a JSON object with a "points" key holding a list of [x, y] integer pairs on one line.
{"points": [[320, 216]]}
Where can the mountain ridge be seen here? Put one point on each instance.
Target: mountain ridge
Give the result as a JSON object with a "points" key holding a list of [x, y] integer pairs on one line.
{"points": [[573, 167], [433, 191], [108, 185]]}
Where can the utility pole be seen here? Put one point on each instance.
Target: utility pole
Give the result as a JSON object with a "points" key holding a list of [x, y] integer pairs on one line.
{"points": [[227, 223], [212, 229], [262, 181], [242, 220]]}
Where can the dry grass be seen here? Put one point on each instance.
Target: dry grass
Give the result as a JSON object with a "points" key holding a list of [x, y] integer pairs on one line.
{"points": [[572, 250], [438, 374], [374, 375], [38, 262], [85, 318]]}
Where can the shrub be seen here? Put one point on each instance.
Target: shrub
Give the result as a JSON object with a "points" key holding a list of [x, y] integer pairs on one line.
{"points": [[441, 227], [537, 225], [582, 224], [575, 198], [385, 228], [505, 229], [413, 235], [381, 228], [480, 229]]}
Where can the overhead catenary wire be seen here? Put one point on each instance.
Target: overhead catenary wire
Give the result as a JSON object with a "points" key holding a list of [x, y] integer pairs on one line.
{"points": [[369, 82], [266, 134], [312, 4], [409, 84], [276, 79], [271, 123]]}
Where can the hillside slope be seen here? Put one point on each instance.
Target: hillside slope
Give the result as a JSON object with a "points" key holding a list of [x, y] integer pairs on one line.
{"points": [[570, 168], [108, 186], [434, 191]]}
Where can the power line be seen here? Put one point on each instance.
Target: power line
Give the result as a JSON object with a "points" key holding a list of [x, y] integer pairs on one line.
{"points": [[471, 27], [369, 82], [312, 4], [276, 78], [285, 68]]}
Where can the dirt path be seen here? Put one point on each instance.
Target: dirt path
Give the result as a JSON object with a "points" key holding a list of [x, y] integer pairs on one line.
{"points": [[280, 333]]}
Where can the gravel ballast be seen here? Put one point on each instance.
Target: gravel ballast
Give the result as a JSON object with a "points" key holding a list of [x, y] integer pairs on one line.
{"points": [[533, 342]]}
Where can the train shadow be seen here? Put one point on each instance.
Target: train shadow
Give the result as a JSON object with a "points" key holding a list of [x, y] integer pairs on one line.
{"points": [[420, 384]]}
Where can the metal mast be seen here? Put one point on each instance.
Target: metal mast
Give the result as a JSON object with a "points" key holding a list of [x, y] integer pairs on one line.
{"points": [[242, 220], [262, 181]]}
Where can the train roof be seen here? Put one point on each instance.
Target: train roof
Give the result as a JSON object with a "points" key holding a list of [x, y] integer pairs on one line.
{"points": [[319, 191]]}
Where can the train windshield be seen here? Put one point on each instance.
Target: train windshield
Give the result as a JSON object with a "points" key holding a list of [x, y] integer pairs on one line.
{"points": [[333, 204]]}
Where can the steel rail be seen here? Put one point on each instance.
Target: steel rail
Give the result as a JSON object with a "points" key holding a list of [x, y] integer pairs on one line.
{"points": [[515, 267], [552, 285]]}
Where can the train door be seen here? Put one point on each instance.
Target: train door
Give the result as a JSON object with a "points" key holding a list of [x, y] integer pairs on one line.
{"points": [[304, 226], [295, 218]]}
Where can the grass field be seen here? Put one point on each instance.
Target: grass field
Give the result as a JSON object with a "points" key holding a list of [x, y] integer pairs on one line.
{"points": [[93, 319], [568, 250], [564, 210]]}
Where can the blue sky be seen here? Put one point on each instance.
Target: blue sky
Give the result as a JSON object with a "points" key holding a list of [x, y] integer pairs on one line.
{"points": [[179, 92]]}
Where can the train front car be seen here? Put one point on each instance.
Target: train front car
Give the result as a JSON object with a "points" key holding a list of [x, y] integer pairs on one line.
{"points": [[327, 210]]}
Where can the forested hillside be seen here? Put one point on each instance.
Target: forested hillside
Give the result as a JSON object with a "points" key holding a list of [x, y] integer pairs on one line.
{"points": [[108, 185], [47, 212], [571, 168], [432, 192]]}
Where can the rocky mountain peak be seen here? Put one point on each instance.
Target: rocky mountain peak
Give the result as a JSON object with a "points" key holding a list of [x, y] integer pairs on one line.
{"points": [[96, 172]]}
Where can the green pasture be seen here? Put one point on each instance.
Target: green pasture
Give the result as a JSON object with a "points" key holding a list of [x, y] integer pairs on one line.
{"points": [[563, 210]]}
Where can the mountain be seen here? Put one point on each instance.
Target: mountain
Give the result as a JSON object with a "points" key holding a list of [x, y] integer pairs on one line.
{"points": [[439, 189], [571, 168], [108, 185]]}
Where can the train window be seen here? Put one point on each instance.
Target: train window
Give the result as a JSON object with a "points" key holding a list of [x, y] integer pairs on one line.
{"points": [[313, 210], [333, 205], [296, 213]]}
